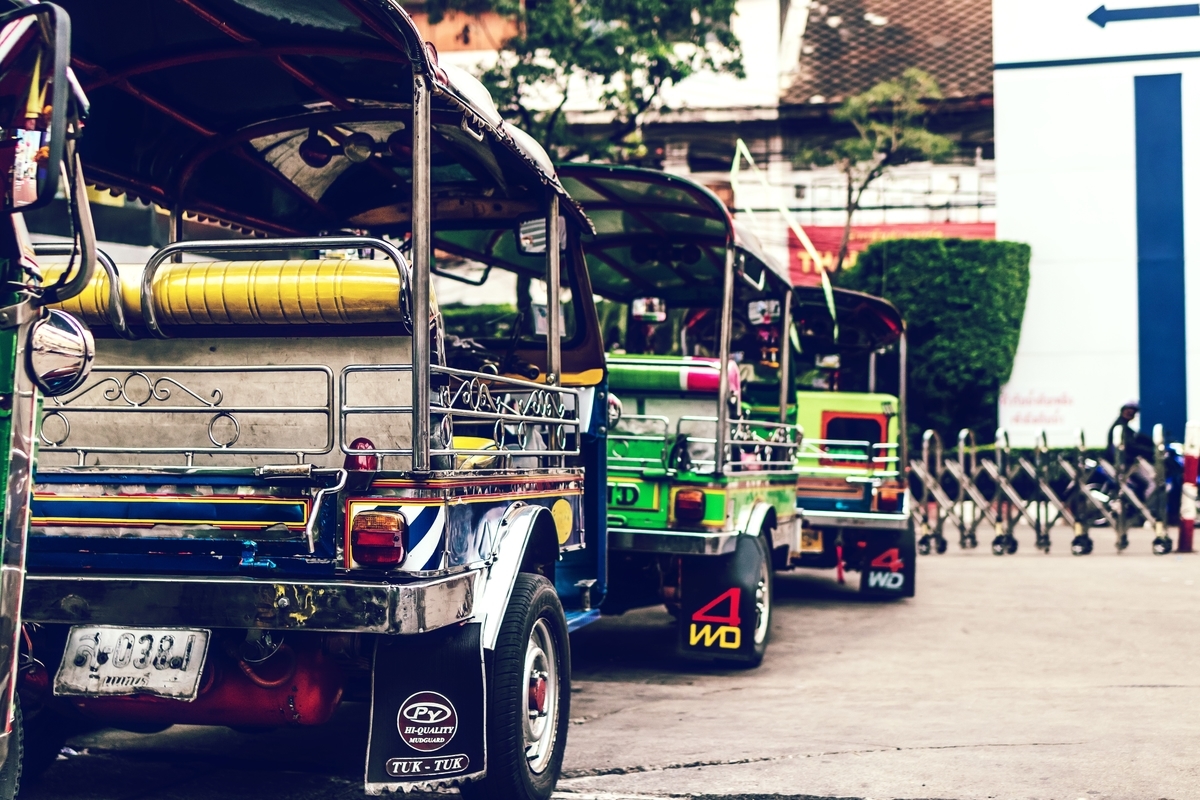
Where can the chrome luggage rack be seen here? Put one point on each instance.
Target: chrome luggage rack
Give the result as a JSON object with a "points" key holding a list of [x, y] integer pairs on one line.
{"points": [[878, 459], [533, 425], [751, 446]]}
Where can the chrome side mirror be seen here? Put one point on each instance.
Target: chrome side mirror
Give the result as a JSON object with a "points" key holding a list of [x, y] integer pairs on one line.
{"points": [[615, 407], [60, 352]]}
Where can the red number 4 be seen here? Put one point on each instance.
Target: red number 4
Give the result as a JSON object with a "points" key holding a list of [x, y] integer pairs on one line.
{"points": [[711, 612], [889, 560]]}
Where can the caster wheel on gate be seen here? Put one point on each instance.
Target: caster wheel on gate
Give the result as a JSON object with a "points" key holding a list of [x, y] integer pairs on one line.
{"points": [[1081, 545], [923, 546], [1162, 545], [998, 546], [940, 545], [972, 541], [529, 697], [1122, 542], [1011, 545]]}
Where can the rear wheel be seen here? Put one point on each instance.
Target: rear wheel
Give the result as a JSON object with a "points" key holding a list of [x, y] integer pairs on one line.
{"points": [[529, 697], [763, 591], [10, 773], [44, 737], [752, 563]]}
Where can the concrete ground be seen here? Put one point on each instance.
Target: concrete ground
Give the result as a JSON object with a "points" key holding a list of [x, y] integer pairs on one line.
{"points": [[1027, 676]]}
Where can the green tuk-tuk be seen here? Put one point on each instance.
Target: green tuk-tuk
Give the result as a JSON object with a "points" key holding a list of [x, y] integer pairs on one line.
{"points": [[851, 491], [701, 496]]}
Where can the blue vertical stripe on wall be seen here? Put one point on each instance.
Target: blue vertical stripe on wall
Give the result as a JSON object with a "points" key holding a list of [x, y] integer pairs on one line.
{"points": [[1162, 366]]}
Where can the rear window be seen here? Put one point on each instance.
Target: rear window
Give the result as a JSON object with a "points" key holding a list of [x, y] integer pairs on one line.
{"points": [[856, 429]]}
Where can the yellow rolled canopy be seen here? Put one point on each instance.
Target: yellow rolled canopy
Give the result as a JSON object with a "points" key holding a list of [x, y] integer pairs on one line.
{"points": [[328, 291]]}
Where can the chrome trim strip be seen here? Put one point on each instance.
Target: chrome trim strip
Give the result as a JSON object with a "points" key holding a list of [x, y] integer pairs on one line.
{"points": [[345, 607], [700, 543], [855, 519]]}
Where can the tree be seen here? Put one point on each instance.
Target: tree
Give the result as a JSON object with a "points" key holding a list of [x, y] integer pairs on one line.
{"points": [[625, 52], [889, 119], [963, 301]]}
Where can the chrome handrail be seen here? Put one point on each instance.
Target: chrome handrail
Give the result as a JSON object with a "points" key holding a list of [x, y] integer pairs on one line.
{"points": [[634, 462], [742, 434], [819, 450], [150, 316], [116, 308]]}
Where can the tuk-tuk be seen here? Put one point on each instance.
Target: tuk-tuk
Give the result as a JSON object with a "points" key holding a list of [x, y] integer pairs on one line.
{"points": [[290, 480], [851, 491], [42, 352], [701, 497]]}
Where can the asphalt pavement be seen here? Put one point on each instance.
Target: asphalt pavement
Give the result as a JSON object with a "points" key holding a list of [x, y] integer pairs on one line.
{"points": [[1027, 676]]}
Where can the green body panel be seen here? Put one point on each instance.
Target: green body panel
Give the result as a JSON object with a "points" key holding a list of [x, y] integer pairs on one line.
{"points": [[645, 374], [8, 378], [638, 501]]}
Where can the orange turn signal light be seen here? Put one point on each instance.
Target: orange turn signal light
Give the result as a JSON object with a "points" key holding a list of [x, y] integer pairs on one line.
{"points": [[889, 498], [689, 506]]}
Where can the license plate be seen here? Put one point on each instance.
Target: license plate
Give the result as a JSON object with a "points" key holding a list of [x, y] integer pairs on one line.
{"points": [[812, 541], [101, 661]]}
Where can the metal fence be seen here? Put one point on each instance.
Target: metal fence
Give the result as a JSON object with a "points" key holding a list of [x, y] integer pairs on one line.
{"points": [[999, 487]]}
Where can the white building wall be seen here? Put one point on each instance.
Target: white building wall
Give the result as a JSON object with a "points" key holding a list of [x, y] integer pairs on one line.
{"points": [[1066, 184]]}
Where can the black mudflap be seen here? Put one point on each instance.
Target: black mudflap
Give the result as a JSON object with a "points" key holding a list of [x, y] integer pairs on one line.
{"points": [[718, 605], [889, 564], [427, 710]]}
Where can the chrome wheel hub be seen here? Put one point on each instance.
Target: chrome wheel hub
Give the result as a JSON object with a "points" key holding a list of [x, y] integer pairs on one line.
{"points": [[541, 705]]}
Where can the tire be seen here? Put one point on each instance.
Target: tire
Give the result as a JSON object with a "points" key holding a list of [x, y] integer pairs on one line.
{"points": [[763, 601], [533, 639], [10, 773], [44, 736]]}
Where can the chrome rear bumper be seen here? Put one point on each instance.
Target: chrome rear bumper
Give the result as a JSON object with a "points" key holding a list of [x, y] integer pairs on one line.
{"points": [[333, 606], [859, 520], [700, 543]]}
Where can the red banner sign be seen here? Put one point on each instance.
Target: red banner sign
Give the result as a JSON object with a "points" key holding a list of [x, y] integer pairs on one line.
{"points": [[828, 238]]}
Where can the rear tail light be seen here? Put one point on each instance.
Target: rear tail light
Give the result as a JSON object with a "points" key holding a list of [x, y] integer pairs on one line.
{"points": [[361, 463], [889, 498], [689, 505], [377, 538]]}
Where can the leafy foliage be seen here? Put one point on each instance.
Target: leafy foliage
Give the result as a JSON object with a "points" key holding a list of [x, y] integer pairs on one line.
{"points": [[889, 119], [626, 52], [963, 300]]}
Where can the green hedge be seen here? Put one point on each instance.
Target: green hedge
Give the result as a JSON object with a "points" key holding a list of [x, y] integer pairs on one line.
{"points": [[963, 300]]}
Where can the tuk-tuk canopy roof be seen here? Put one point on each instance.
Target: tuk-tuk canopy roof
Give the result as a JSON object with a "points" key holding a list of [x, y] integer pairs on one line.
{"points": [[659, 235], [865, 322], [208, 105]]}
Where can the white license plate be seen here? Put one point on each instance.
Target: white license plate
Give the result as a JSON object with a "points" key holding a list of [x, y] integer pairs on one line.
{"points": [[101, 660]]}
